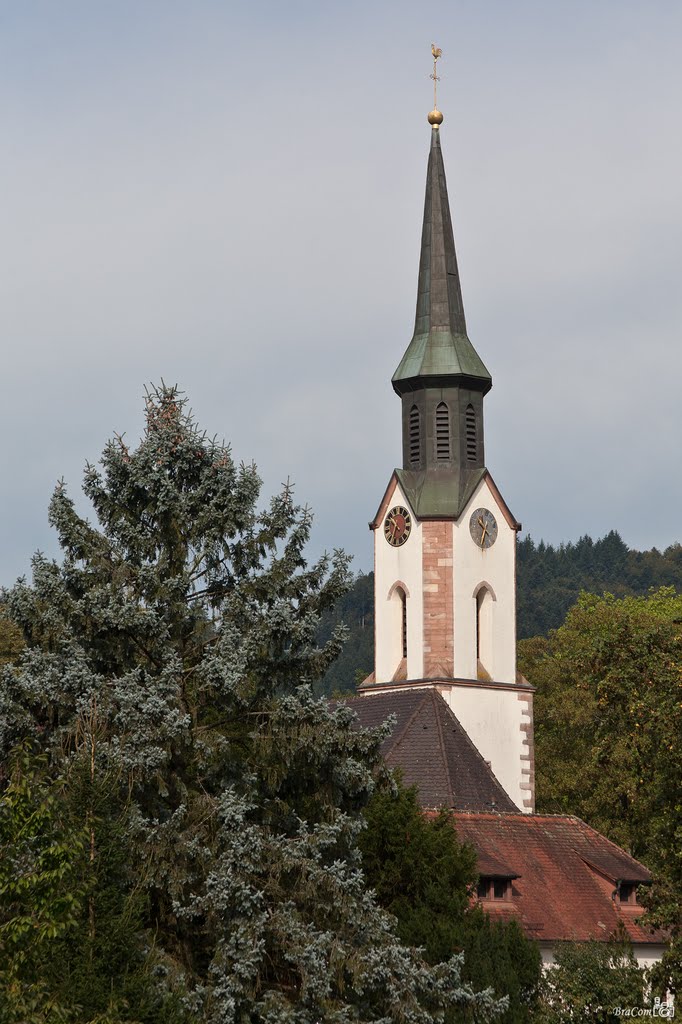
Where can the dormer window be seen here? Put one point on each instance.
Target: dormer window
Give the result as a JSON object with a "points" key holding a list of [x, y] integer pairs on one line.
{"points": [[494, 888], [627, 893]]}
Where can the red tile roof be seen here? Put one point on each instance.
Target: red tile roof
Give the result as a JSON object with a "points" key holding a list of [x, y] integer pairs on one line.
{"points": [[566, 871]]}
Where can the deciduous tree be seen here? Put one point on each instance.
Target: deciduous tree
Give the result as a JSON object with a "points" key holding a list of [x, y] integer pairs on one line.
{"points": [[608, 717]]}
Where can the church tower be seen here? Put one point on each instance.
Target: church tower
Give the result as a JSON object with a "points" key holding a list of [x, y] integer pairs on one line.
{"points": [[444, 538]]}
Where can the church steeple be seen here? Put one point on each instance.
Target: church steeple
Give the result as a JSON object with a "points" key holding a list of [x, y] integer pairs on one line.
{"points": [[441, 378], [440, 353], [444, 538]]}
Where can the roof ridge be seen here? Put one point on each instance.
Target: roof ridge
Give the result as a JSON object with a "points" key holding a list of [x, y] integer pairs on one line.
{"points": [[448, 781], [610, 842], [472, 745], [398, 739]]}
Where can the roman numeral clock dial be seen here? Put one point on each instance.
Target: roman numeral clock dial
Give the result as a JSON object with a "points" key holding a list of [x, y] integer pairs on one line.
{"points": [[397, 526], [483, 528]]}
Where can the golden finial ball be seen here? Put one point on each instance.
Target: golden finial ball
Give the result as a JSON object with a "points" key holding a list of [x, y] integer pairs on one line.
{"points": [[435, 117]]}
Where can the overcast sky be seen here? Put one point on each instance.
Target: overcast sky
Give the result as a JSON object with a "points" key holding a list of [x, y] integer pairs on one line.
{"points": [[229, 196]]}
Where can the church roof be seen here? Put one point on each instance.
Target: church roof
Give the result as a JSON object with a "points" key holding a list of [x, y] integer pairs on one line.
{"points": [[433, 751], [564, 876], [439, 493], [440, 353]]}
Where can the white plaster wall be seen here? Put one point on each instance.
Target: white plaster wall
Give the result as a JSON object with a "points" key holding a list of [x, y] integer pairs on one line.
{"points": [[494, 566], [492, 719], [392, 565], [547, 954], [646, 954]]}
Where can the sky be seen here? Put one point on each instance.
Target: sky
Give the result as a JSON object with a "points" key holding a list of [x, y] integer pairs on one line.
{"points": [[228, 196]]}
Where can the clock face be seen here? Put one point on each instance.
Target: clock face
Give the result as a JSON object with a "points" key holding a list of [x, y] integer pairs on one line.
{"points": [[397, 526], [483, 528]]}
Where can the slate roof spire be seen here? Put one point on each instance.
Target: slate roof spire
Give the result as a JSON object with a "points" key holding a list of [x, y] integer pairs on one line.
{"points": [[440, 353]]}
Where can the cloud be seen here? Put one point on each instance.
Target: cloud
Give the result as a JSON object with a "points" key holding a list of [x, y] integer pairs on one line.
{"points": [[232, 200]]}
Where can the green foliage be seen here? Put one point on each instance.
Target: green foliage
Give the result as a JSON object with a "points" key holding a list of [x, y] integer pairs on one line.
{"points": [[11, 640], [41, 890], [168, 678], [424, 876], [608, 717], [589, 981], [355, 611], [419, 871], [498, 954], [550, 579]]}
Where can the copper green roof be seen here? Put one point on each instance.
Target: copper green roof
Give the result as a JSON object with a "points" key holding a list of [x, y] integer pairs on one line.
{"points": [[440, 353], [439, 494]]}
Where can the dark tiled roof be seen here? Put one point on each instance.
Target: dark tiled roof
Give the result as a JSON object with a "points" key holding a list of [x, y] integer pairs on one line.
{"points": [[558, 895], [433, 750]]}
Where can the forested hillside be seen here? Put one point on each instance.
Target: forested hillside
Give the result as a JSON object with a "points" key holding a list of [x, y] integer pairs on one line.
{"points": [[549, 580], [356, 610]]}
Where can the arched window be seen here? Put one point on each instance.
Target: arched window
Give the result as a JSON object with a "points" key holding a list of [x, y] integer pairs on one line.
{"points": [[413, 436], [470, 430], [442, 433], [396, 633], [484, 633], [403, 621]]}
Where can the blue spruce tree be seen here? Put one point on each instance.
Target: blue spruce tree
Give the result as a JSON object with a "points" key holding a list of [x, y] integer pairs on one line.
{"points": [[167, 679]]}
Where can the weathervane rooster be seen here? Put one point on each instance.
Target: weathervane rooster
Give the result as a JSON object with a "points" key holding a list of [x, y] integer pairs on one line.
{"points": [[435, 118]]}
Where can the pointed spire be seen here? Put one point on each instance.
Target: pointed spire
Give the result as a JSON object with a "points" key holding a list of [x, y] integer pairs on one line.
{"points": [[440, 353]]}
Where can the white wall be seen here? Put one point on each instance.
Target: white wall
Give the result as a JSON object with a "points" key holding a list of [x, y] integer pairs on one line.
{"points": [[491, 716], [646, 954], [496, 568], [492, 719], [404, 565]]}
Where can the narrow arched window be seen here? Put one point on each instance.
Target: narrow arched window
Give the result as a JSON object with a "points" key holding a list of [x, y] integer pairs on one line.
{"points": [[470, 431], [478, 625], [403, 600], [484, 633], [414, 436], [442, 433]]}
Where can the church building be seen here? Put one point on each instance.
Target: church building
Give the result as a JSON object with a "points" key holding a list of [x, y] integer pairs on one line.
{"points": [[444, 538], [445, 635]]}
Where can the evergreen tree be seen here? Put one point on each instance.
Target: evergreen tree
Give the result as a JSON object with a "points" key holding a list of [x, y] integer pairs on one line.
{"points": [[425, 877], [168, 676], [11, 641]]}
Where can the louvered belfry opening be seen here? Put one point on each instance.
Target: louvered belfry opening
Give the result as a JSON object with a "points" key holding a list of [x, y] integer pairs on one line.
{"points": [[442, 433], [414, 436], [470, 428]]}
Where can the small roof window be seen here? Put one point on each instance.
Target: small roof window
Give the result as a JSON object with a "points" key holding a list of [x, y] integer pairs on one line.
{"points": [[494, 888]]}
